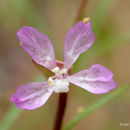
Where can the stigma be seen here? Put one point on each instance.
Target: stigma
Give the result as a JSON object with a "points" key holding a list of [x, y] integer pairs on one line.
{"points": [[61, 86]]}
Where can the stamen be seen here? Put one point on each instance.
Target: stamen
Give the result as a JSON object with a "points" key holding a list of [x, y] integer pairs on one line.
{"points": [[50, 81], [56, 70], [59, 72], [64, 71]]}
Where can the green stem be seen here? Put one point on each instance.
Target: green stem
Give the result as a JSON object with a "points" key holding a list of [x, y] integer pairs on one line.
{"points": [[11, 115]]}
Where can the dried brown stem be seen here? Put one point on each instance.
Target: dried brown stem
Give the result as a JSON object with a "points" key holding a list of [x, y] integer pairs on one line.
{"points": [[81, 10]]}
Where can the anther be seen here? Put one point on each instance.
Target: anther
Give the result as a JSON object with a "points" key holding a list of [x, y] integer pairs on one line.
{"points": [[56, 70], [50, 81], [64, 71], [86, 20]]}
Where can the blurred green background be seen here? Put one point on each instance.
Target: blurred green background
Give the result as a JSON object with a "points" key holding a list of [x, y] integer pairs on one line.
{"points": [[111, 24]]}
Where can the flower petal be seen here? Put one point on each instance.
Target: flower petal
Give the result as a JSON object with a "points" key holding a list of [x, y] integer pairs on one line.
{"points": [[97, 79], [32, 96], [38, 46], [78, 39]]}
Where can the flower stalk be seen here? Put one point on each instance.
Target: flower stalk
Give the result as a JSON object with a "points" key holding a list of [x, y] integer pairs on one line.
{"points": [[60, 111]]}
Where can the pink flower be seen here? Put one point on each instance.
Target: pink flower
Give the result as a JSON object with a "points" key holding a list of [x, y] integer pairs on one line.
{"points": [[97, 79]]}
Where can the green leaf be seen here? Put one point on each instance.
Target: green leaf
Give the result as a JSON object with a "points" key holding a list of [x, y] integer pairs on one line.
{"points": [[96, 105], [10, 117]]}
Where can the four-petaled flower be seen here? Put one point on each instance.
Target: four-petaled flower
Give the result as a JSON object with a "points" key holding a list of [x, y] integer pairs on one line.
{"points": [[97, 79]]}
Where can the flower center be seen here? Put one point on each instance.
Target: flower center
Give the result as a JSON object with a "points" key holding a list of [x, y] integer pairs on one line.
{"points": [[59, 80]]}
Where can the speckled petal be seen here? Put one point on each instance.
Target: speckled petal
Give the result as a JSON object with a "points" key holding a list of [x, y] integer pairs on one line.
{"points": [[78, 39], [97, 79], [32, 96], [38, 46]]}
